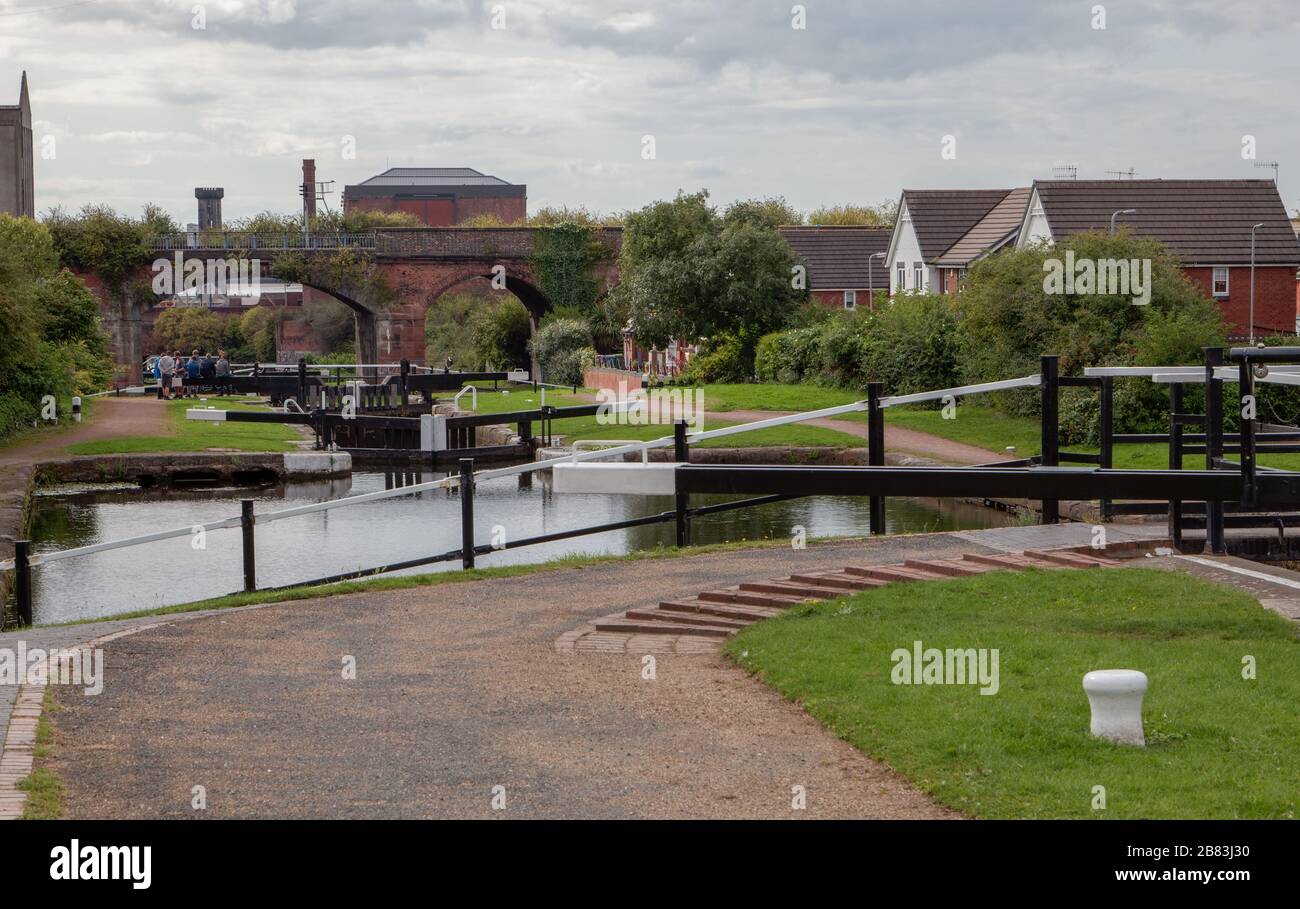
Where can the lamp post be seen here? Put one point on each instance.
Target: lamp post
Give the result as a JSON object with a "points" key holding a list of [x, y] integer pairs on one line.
{"points": [[1252, 280], [1122, 211], [871, 284]]}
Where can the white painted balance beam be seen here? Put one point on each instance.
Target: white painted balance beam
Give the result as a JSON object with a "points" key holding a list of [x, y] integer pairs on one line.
{"points": [[205, 413], [631, 479]]}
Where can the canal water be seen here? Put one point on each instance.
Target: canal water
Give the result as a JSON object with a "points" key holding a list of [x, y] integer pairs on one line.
{"points": [[390, 530]]}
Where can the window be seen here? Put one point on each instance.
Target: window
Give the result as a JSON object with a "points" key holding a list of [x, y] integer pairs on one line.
{"points": [[902, 276], [918, 272], [850, 299], [1220, 282]]}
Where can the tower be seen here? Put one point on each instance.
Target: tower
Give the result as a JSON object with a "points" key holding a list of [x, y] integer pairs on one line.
{"points": [[209, 206], [17, 182]]}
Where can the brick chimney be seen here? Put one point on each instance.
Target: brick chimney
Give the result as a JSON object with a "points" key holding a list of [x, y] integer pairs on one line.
{"points": [[309, 188]]}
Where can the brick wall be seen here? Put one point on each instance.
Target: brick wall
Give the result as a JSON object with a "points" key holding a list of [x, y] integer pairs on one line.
{"points": [[1275, 297]]}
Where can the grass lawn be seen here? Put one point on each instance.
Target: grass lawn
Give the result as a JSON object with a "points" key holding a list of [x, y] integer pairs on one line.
{"points": [[573, 428], [1218, 746], [992, 429], [791, 398], [198, 435]]}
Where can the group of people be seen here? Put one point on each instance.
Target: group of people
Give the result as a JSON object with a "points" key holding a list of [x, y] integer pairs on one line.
{"points": [[206, 373]]}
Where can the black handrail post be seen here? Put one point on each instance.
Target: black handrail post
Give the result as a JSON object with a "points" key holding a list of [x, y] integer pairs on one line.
{"points": [[246, 524], [1048, 370], [875, 452], [1246, 386], [302, 379], [23, 580], [682, 455], [1176, 460], [1107, 434], [1214, 535], [401, 388], [467, 512]]}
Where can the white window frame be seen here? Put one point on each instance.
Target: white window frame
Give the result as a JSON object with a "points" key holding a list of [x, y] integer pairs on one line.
{"points": [[1227, 286], [850, 299], [918, 275], [901, 268]]}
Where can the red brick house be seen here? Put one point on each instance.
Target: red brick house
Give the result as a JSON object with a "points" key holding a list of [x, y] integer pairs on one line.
{"points": [[1206, 222], [846, 266], [439, 196]]}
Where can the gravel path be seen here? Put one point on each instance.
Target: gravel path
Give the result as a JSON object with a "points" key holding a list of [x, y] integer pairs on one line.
{"points": [[897, 438], [459, 689], [112, 418]]}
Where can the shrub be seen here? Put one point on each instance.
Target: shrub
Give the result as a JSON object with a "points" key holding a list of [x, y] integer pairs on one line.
{"points": [[501, 335], [722, 359], [563, 350]]}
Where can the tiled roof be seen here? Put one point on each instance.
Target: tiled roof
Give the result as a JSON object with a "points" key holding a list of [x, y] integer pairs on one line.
{"points": [[1206, 222], [941, 217], [837, 257], [999, 227], [433, 176]]}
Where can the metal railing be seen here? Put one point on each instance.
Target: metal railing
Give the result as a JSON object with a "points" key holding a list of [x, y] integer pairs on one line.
{"points": [[875, 479], [245, 240]]}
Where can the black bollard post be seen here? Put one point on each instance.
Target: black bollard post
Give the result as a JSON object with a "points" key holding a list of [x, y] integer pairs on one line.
{"points": [[467, 512], [23, 580], [1050, 429], [875, 452], [682, 455], [250, 550], [1214, 536]]}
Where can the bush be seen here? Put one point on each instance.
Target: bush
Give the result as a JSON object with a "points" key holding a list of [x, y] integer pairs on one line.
{"points": [[501, 336], [563, 350], [911, 345], [722, 359]]}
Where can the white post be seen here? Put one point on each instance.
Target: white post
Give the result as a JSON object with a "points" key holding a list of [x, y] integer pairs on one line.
{"points": [[1115, 696]]}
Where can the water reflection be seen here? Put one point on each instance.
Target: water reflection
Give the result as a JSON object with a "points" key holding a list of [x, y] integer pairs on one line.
{"points": [[375, 533]]}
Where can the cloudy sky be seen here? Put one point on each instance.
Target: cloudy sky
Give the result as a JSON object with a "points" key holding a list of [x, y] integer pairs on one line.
{"points": [[142, 104]]}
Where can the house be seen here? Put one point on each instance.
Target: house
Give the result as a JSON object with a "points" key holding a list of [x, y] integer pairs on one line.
{"points": [[439, 196], [1207, 223], [846, 266], [940, 233]]}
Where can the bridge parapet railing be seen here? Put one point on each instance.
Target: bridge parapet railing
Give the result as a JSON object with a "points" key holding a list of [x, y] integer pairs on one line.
{"points": [[240, 241]]}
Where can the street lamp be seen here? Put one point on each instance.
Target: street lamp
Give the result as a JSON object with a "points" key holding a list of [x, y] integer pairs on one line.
{"points": [[871, 284], [1252, 280], [1122, 211]]}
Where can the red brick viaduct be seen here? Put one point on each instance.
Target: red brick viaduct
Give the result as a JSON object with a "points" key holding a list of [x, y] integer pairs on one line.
{"points": [[414, 267]]}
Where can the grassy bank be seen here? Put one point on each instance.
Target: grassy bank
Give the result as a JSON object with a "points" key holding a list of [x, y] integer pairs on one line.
{"points": [[199, 435], [1219, 746]]}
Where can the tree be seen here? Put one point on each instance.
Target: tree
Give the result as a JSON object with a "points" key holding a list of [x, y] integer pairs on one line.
{"points": [[772, 212], [51, 342], [881, 215], [185, 328], [688, 273]]}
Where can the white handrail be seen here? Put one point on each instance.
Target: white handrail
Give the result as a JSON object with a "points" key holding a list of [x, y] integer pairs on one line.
{"points": [[961, 390], [473, 397]]}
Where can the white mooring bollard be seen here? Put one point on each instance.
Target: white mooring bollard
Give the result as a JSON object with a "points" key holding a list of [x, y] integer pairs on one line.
{"points": [[1115, 696]]}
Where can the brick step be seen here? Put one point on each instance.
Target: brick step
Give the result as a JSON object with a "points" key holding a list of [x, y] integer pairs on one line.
{"points": [[1009, 561], [631, 626], [952, 568], [681, 618], [742, 613], [749, 598], [1070, 559], [784, 587], [837, 579], [892, 573]]}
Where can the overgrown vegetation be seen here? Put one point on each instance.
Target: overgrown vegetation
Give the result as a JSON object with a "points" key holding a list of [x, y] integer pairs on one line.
{"points": [[51, 343]]}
